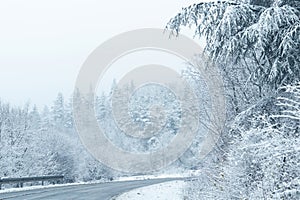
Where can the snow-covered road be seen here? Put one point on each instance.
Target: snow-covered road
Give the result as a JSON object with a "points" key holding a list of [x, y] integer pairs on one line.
{"points": [[100, 191]]}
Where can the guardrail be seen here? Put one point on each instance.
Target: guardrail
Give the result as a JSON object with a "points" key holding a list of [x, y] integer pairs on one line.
{"points": [[20, 181]]}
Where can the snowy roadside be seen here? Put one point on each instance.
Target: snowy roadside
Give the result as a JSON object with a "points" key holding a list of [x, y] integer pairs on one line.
{"points": [[118, 179], [162, 191], [35, 187], [191, 173]]}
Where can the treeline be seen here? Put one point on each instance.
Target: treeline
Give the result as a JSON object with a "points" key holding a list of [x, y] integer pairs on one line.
{"points": [[37, 142], [34, 143]]}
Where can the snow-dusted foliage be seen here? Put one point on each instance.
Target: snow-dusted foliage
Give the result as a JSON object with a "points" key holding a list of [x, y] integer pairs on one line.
{"points": [[256, 43], [262, 158], [263, 161], [35, 143], [156, 111]]}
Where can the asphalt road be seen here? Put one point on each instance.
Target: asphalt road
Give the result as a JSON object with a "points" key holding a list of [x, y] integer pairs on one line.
{"points": [[101, 191]]}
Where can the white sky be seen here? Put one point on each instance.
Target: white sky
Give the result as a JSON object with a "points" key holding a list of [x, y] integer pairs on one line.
{"points": [[44, 43]]}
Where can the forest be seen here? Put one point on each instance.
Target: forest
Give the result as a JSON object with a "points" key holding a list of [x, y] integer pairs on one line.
{"points": [[256, 47]]}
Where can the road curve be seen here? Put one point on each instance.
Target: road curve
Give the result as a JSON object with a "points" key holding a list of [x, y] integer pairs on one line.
{"points": [[100, 191]]}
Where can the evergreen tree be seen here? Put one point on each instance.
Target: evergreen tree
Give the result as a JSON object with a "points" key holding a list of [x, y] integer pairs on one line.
{"points": [[255, 43]]}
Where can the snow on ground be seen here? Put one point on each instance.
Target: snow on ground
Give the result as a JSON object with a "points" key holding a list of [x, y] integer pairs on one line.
{"points": [[162, 191], [129, 178], [186, 174]]}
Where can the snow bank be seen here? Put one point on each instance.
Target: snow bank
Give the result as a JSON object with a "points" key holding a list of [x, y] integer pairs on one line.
{"points": [[162, 191], [191, 173]]}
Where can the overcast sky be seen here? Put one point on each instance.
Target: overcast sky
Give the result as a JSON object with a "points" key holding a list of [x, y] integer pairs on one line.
{"points": [[44, 43]]}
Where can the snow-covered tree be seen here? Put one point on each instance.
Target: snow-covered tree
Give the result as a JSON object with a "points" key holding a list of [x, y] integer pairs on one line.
{"points": [[255, 43], [262, 159], [266, 153], [256, 46], [34, 143], [58, 110]]}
